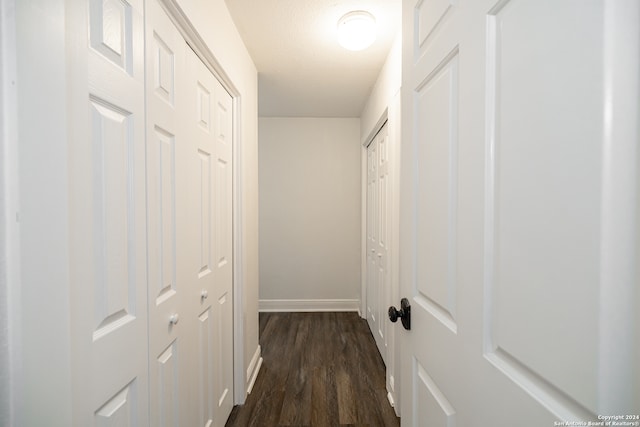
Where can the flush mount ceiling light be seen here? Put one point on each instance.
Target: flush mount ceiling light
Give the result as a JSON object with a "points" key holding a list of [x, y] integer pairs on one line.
{"points": [[356, 30]]}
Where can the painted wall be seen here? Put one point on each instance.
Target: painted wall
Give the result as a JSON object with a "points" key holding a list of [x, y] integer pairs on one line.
{"points": [[384, 103], [40, 325], [385, 89], [309, 213], [213, 22]]}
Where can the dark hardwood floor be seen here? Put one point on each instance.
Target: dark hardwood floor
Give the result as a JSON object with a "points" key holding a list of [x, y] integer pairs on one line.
{"points": [[319, 369]]}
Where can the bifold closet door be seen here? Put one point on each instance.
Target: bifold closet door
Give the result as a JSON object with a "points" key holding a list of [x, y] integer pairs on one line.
{"points": [[209, 118], [189, 179], [378, 229], [106, 207], [170, 229]]}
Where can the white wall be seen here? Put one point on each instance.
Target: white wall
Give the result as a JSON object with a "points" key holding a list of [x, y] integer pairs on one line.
{"points": [[386, 88], [309, 213], [40, 300], [384, 103]]}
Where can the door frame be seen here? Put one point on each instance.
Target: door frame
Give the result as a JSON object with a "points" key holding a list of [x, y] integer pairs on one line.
{"points": [[195, 42], [9, 229]]}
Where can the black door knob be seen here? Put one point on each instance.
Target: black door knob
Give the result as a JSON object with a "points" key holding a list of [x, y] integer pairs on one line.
{"points": [[404, 314]]}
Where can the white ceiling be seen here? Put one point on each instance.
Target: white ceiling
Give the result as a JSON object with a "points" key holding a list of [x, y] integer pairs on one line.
{"points": [[302, 70]]}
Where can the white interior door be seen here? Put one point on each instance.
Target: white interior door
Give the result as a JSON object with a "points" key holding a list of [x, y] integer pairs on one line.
{"points": [[107, 213], [209, 117], [170, 234], [378, 229], [223, 287], [519, 227], [372, 239]]}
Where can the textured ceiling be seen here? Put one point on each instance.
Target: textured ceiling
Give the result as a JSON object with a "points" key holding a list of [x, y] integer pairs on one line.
{"points": [[303, 72]]}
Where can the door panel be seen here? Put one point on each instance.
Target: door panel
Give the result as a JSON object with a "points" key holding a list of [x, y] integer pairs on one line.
{"points": [[509, 209], [166, 374], [437, 99], [543, 257]]}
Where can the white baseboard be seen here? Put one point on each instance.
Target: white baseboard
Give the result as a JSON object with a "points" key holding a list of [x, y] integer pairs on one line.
{"points": [[254, 369], [391, 400], [292, 305]]}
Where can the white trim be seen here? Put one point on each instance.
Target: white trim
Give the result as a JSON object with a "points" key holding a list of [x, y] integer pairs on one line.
{"points": [[390, 399], [238, 259], [254, 369], [10, 365], [364, 168], [197, 43], [309, 305], [384, 117], [395, 139]]}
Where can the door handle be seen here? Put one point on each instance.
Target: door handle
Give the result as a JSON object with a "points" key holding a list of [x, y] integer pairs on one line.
{"points": [[174, 319], [404, 314]]}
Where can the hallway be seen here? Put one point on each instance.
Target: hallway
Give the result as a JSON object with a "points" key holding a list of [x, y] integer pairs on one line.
{"points": [[319, 369]]}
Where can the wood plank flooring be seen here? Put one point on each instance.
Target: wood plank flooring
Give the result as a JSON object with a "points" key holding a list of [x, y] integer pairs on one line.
{"points": [[320, 370]]}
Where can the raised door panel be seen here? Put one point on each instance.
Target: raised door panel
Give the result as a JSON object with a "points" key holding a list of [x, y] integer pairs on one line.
{"points": [[206, 346], [166, 370], [114, 256], [224, 179], [223, 359], [435, 102], [119, 411], [205, 206], [161, 196], [546, 201]]}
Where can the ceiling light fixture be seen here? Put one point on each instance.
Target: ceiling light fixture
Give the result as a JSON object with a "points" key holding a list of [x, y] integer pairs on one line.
{"points": [[357, 30]]}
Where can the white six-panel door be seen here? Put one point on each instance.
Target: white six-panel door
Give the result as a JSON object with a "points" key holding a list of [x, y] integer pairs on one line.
{"points": [[169, 235], [378, 233], [209, 121], [519, 227], [107, 213]]}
